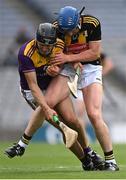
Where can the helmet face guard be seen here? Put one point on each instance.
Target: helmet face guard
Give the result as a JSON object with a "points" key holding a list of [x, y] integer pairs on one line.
{"points": [[68, 19], [44, 50], [66, 31], [46, 41], [46, 36]]}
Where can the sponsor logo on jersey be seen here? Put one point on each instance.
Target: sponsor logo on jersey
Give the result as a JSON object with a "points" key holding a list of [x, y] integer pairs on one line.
{"points": [[76, 48]]}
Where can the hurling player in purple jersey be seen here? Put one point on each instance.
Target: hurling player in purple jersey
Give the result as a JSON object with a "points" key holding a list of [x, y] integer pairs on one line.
{"points": [[35, 69]]}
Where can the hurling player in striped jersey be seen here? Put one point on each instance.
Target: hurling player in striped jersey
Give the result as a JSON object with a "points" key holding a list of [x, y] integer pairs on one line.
{"points": [[82, 37]]}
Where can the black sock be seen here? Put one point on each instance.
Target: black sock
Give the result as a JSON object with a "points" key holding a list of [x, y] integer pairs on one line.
{"points": [[25, 139], [109, 155]]}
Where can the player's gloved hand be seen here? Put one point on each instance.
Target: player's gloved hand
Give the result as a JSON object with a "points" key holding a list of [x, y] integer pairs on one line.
{"points": [[53, 70]]}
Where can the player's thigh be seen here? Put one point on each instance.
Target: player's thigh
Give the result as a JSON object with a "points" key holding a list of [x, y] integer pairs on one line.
{"points": [[66, 110], [79, 105], [93, 97], [57, 90]]}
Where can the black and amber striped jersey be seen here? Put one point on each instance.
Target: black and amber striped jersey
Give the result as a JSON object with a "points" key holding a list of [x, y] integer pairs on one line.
{"points": [[90, 30], [31, 60]]}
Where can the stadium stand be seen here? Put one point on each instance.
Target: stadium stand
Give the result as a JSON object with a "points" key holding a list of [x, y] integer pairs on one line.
{"points": [[13, 16]]}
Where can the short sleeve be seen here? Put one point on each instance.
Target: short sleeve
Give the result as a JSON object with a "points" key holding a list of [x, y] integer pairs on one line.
{"points": [[25, 63], [96, 33]]}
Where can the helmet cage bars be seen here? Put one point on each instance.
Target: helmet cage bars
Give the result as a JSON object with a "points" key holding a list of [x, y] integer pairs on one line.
{"points": [[46, 34], [68, 19]]}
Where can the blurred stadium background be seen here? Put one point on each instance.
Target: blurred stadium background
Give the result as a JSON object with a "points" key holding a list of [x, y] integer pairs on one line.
{"points": [[24, 16]]}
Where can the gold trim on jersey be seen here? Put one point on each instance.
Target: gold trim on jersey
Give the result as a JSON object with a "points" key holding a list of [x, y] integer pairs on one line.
{"points": [[67, 39], [29, 48], [91, 20], [59, 44], [29, 54], [31, 51], [81, 38]]}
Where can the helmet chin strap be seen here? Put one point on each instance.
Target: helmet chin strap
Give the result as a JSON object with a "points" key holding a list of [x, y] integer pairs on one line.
{"points": [[79, 26]]}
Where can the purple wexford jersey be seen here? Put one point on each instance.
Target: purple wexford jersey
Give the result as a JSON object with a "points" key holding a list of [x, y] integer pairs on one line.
{"points": [[30, 60]]}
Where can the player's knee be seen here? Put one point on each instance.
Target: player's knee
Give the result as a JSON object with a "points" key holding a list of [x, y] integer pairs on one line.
{"points": [[74, 123], [94, 117], [50, 103]]}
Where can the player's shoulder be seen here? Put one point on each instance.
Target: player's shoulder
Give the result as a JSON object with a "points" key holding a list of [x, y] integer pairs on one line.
{"points": [[89, 19], [59, 43], [26, 51], [30, 47]]}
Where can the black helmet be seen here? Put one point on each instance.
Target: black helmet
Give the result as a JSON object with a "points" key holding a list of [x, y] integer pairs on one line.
{"points": [[46, 34]]}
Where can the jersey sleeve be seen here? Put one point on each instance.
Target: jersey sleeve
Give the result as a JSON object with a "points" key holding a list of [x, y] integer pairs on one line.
{"points": [[96, 33], [25, 63], [59, 46]]}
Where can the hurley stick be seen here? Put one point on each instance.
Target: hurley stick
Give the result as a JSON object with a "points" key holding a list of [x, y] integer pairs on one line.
{"points": [[73, 85], [70, 134]]}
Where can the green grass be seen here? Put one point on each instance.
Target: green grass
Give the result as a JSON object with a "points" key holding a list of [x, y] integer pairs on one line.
{"points": [[43, 161]]}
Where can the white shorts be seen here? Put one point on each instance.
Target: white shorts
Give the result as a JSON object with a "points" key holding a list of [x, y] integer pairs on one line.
{"points": [[29, 98], [27, 94], [79, 95], [90, 74]]}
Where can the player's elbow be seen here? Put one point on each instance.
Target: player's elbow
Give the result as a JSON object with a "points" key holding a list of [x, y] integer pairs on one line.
{"points": [[95, 53]]}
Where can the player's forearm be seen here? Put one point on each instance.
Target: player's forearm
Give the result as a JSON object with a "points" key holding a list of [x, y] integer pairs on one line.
{"points": [[85, 56], [39, 97]]}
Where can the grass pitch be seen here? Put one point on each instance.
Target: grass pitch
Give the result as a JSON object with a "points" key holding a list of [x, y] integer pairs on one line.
{"points": [[44, 161]]}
